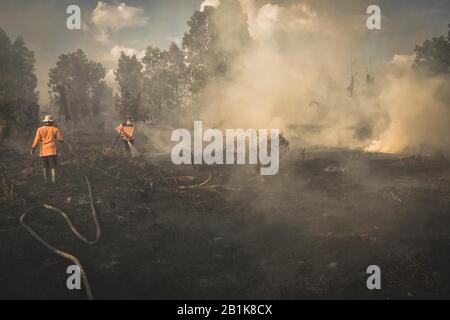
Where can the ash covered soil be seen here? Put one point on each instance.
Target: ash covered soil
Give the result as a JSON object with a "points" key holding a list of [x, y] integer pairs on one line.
{"points": [[226, 232]]}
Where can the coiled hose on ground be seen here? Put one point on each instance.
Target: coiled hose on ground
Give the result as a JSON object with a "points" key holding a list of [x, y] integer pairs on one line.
{"points": [[74, 230]]}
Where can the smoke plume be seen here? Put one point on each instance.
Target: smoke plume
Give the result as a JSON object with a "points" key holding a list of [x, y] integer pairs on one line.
{"points": [[319, 76]]}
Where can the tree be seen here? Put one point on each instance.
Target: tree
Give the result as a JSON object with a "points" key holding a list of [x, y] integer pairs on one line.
{"points": [[159, 86], [18, 96], [216, 37], [130, 81], [230, 36], [433, 56], [24, 84], [196, 44], [102, 99], [75, 82], [164, 82], [5, 76]]}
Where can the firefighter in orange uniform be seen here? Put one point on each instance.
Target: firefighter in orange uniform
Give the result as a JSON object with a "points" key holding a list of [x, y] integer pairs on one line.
{"points": [[126, 132], [47, 137]]}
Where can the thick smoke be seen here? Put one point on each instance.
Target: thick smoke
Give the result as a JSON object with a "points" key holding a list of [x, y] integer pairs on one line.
{"points": [[298, 79], [419, 113]]}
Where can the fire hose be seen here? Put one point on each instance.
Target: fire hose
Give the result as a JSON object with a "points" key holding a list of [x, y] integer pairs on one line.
{"points": [[61, 253]]}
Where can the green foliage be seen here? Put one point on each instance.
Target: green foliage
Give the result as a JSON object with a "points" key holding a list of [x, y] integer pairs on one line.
{"points": [[18, 95], [77, 83], [160, 86], [433, 56], [129, 78], [216, 37], [164, 82]]}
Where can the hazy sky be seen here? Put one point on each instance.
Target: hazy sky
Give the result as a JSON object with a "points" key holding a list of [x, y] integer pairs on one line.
{"points": [[131, 25]]}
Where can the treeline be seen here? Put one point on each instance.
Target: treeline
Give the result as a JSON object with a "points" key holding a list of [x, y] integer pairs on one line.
{"points": [[18, 95], [161, 84], [78, 89], [164, 82]]}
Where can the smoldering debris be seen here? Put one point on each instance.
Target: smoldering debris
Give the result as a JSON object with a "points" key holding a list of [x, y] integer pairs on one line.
{"points": [[158, 219], [7, 189]]}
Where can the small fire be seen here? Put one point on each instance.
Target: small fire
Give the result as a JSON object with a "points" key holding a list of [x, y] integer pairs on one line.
{"points": [[374, 146]]}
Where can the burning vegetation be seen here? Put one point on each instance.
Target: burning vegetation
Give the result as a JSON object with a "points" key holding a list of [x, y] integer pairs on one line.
{"points": [[363, 179]]}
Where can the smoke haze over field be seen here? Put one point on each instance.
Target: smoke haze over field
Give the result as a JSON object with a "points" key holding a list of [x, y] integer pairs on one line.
{"points": [[297, 76]]}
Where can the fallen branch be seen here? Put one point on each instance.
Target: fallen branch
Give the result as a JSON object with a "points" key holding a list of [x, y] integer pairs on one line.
{"points": [[104, 172], [395, 197], [7, 190], [197, 185], [216, 186]]}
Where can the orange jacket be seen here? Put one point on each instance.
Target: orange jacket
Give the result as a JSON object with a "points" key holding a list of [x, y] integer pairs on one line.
{"points": [[126, 132], [47, 137]]}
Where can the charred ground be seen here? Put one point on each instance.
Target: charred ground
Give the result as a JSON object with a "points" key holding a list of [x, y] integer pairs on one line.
{"points": [[225, 232]]}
